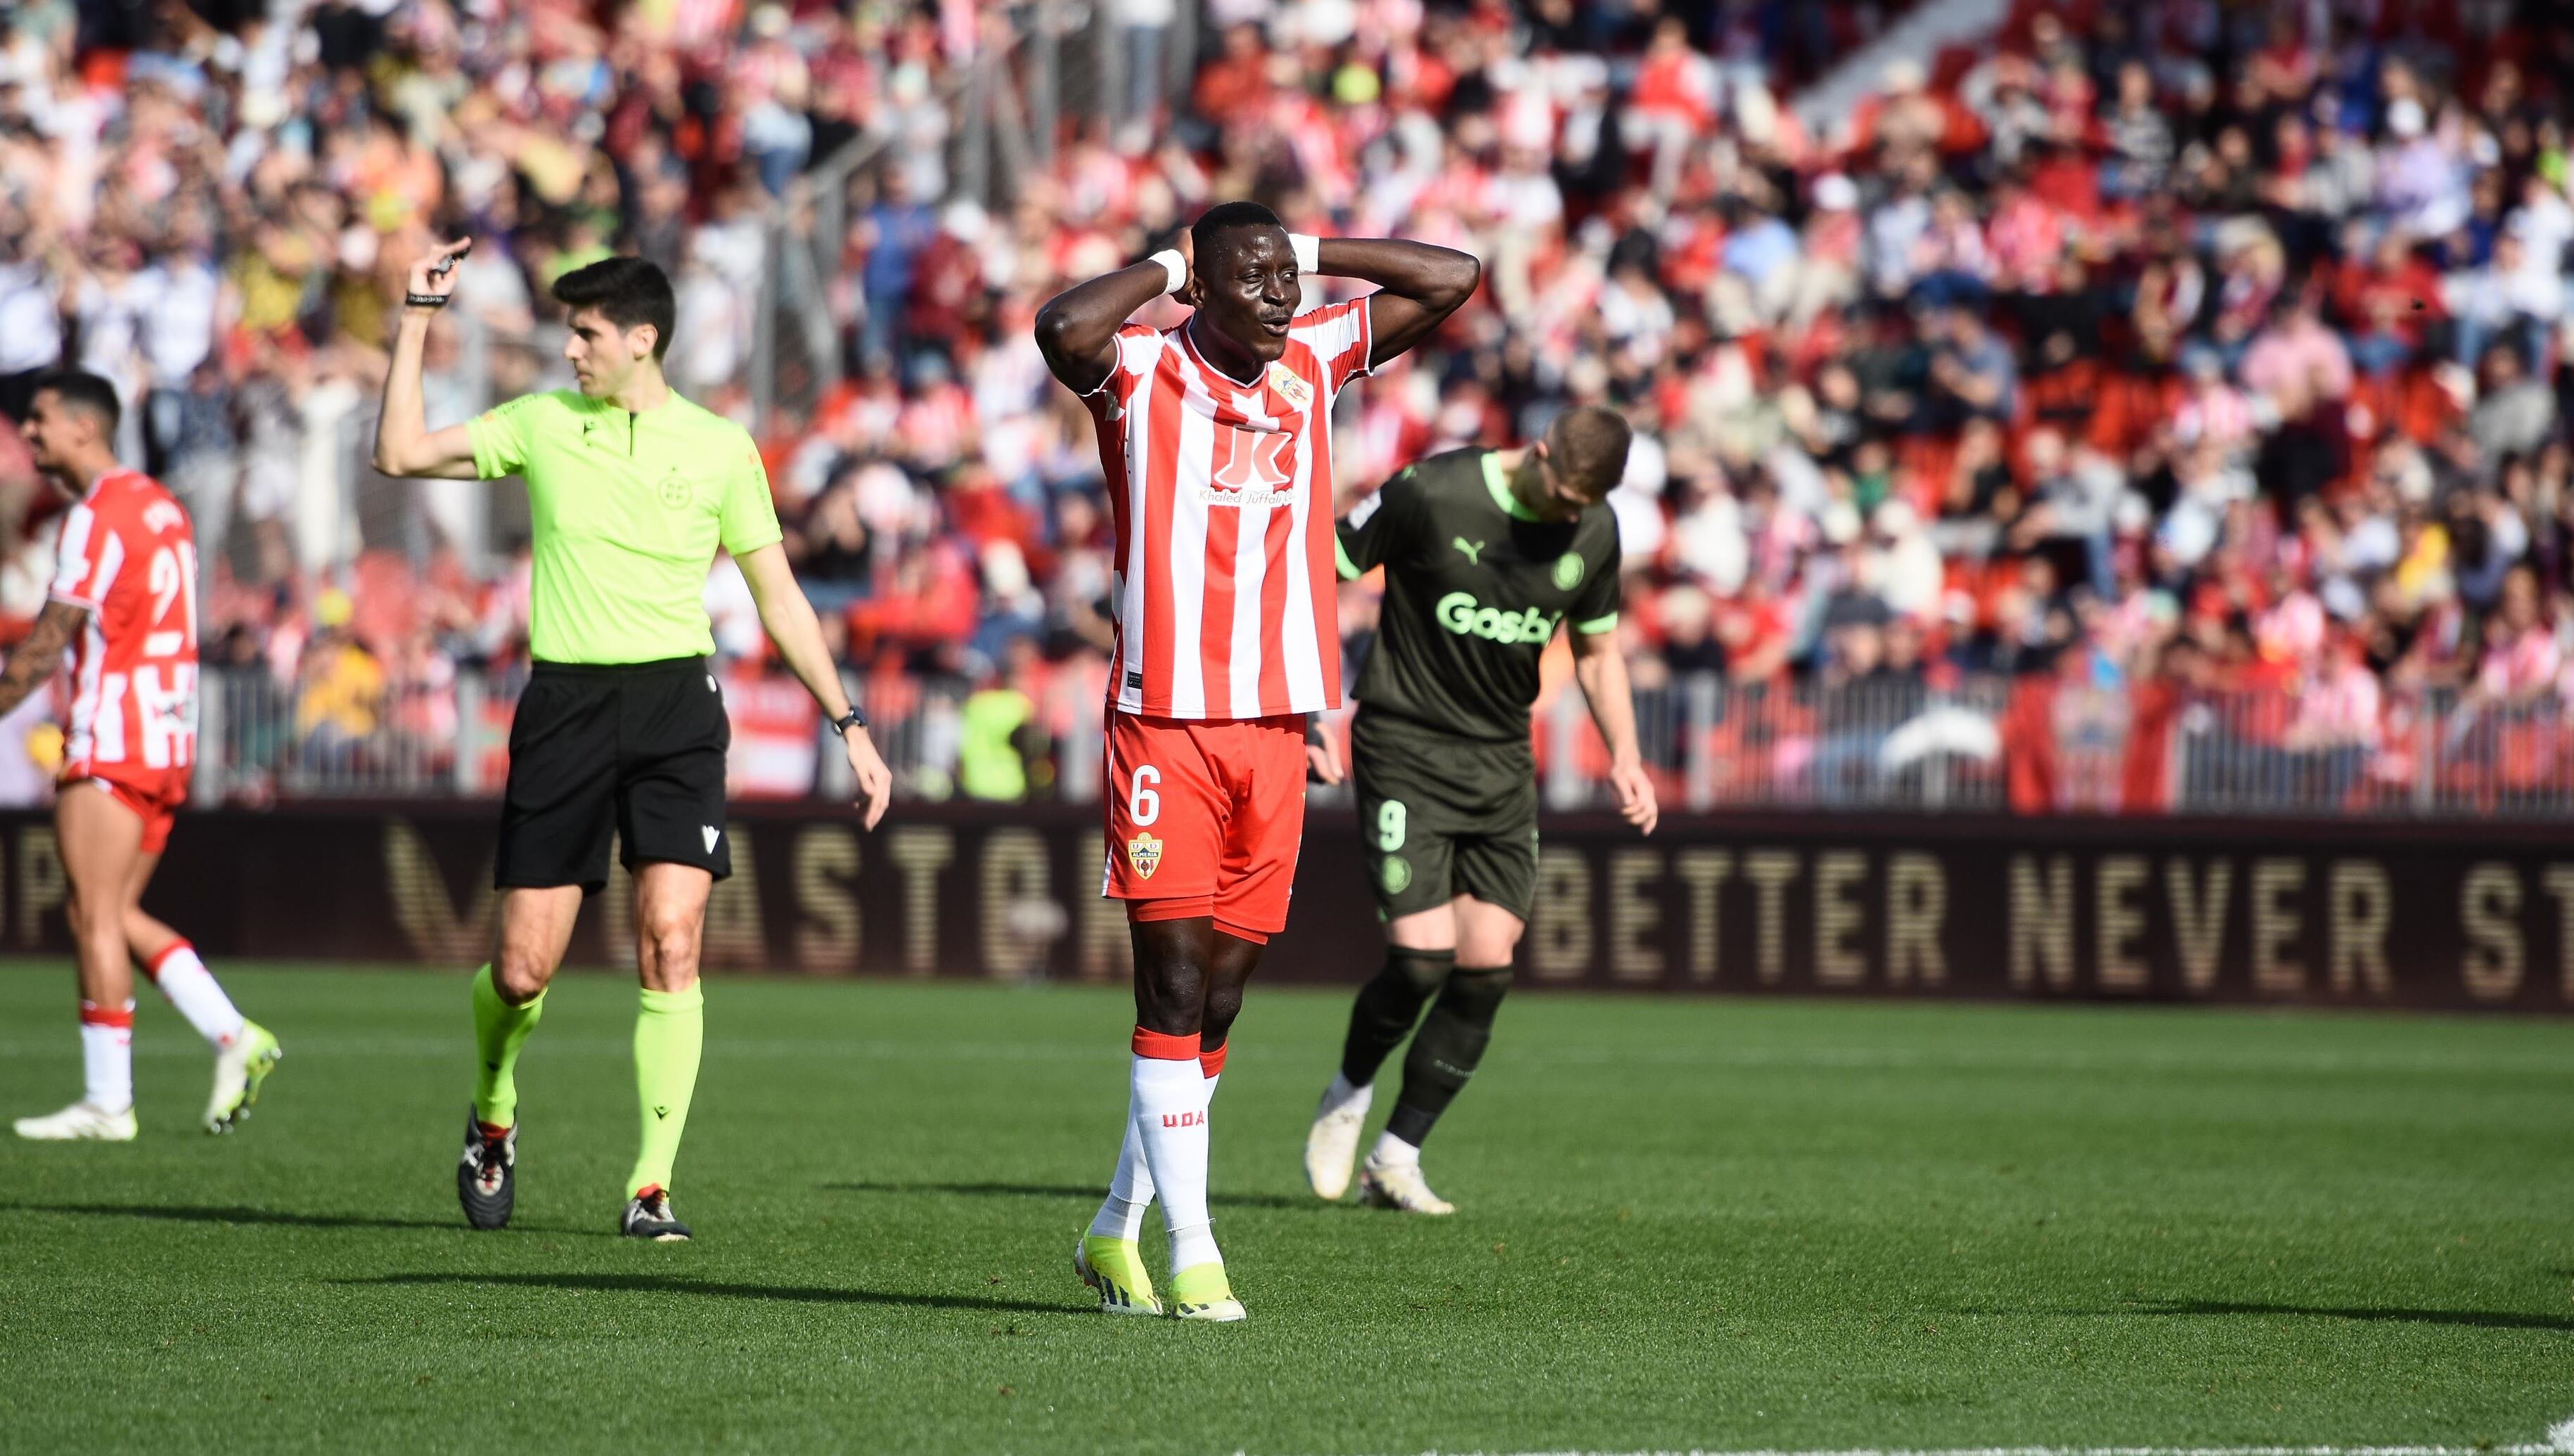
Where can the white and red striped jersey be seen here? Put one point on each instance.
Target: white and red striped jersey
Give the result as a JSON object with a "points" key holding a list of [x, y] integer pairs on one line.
{"points": [[1222, 495], [128, 556]]}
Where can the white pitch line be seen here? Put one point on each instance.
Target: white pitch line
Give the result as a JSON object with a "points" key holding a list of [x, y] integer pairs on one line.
{"points": [[2519, 1450], [2559, 1442]]}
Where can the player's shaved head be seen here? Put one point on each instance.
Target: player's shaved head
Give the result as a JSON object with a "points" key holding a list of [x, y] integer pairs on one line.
{"points": [[1217, 224], [1587, 446]]}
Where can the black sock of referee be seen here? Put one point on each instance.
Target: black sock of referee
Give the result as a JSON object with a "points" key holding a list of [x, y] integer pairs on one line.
{"points": [[1388, 1005], [1451, 1041]]}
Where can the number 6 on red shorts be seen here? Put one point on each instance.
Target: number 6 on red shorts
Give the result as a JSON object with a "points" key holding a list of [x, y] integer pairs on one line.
{"points": [[1204, 818]]}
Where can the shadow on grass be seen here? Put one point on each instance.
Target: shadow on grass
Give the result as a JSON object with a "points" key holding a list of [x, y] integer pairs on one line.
{"points": [[664, 1284], [2474, 1319], [1056, 1190], [186, 1213]]}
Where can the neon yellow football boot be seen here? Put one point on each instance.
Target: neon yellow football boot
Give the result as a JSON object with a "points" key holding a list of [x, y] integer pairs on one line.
{"points": [[239, 1069], [1115, 1268], [1201, 1291]]}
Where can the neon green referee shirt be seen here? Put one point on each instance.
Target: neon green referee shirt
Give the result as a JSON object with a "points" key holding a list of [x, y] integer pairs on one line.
{"points": [[629, 510]]}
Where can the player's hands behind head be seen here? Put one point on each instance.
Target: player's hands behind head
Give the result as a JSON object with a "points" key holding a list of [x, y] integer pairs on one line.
{"points": [[433, 273]]}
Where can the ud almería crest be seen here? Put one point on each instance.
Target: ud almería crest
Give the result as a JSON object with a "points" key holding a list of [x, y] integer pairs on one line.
{"points": [[1289, 387], [1145, 854]]}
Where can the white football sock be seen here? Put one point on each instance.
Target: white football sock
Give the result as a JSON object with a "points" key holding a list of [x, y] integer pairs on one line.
{"points": [[1391, 1150], [1171, 1114], [193, 989], [1340, 1096], [107, 1056], [1130, 1188]]}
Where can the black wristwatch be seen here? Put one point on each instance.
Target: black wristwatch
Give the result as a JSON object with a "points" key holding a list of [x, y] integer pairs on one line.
{"points": [[852, 718]]}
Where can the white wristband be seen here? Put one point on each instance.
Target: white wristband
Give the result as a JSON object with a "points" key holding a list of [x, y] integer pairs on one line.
{"points": [[1175, 267], [1308, 250]]}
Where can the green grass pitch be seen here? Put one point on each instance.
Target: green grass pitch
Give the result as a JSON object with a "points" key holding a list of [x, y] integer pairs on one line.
{"points": [[1720, 1225]]}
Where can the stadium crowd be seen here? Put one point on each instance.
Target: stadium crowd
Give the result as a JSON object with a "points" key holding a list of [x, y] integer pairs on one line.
{"points": [[2171, 345]]}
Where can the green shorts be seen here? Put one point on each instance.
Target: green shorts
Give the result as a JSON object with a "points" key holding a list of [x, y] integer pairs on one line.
{"points": [[1442, 816]]}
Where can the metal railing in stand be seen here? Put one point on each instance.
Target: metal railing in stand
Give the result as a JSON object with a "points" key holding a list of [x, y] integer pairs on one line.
{"points": [[261, 739], [1983, 744], [991, 135]]}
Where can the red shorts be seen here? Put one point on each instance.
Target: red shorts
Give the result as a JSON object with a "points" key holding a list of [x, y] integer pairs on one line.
{"points": [[152, 795], [1204, 818]]}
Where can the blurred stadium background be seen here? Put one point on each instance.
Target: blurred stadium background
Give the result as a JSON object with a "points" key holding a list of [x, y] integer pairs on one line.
{"points": [[2113, 454], [2045, 407], [2049, 415]]}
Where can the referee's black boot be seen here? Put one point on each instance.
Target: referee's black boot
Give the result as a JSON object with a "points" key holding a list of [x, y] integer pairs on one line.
{"points": [[487, 1177], [648, 1215]]}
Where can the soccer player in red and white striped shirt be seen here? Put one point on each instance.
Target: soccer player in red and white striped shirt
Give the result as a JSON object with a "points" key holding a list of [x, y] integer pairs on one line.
{"points": [[124, 600], [1216, 439]]}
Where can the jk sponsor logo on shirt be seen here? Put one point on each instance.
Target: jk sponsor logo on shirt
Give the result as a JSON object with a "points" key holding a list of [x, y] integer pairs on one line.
{"points": [[1251, 468]]}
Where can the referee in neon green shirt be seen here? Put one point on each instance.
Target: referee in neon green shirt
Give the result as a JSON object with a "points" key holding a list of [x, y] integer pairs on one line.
{"points": [[621, 728]]}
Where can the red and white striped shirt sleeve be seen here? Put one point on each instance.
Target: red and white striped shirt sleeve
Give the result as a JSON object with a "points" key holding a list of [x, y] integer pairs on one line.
{"points": [[1137, 347], [1341, 338], [86, 559]]}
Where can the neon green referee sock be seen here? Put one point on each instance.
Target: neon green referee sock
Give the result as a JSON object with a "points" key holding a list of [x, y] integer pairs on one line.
{"points": [[500, 1029], [669, 1034]]}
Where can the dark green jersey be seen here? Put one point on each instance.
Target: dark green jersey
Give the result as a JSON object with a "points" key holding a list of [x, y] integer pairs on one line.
{"points": [[1475, 587]]}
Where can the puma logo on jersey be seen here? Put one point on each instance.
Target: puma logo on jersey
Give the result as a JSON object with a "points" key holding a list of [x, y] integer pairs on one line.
{"points": [[1461, 613], [1472, 551]]}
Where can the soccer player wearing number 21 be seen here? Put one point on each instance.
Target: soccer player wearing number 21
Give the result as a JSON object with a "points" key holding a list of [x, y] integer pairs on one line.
{"points": [[124, 599], [1486, 552], [1216, 440], [621, 728]]}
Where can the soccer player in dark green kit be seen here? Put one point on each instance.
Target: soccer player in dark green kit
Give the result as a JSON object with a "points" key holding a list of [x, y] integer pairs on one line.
{"points": [[621, 730], [1486, 552]]}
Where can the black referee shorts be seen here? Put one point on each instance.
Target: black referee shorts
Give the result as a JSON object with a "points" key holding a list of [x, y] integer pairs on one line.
{"points": [[636, 748]]}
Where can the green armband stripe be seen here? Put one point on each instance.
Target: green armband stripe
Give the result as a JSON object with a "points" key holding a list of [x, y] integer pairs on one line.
{"points": [[1597, 624], [1341, 558]]}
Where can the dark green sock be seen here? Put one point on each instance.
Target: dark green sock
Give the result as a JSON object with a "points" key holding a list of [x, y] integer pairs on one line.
{"points": [[1388, 1005], [1451, 1041]]}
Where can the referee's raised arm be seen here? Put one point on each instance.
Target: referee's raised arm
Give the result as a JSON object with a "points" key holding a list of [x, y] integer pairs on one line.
{"points": [[404, 444]]}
